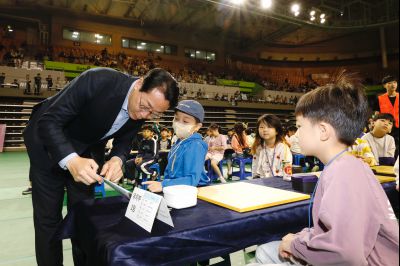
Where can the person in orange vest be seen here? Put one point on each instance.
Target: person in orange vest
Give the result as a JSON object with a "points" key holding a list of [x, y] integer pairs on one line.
{"points": [[389, 103]]}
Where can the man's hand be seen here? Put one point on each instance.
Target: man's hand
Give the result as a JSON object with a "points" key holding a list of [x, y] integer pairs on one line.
{"points": [[84, 170], [153, 186], [138, 160], [112, 170], [284, 248]]}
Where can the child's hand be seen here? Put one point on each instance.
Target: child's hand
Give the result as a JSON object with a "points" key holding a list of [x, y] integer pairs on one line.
{"points": [[284, 248], [153, 186]]}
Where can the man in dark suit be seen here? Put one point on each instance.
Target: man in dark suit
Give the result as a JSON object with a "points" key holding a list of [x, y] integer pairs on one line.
{"points": [[66, 138]]}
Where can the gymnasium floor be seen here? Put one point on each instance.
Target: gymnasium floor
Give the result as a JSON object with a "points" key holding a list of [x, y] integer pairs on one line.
{"points": [[16, 222]]}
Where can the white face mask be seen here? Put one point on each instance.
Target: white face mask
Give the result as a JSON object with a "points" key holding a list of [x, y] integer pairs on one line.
{"points": [[182, 131]]}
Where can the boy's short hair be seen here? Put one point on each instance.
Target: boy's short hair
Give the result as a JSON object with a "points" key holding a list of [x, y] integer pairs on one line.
{"points": [[343, 104], [292, 128], [164, 129], [147, 127], [385, 116]]}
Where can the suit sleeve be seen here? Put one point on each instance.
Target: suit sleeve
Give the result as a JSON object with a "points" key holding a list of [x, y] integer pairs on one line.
{"points": [[67, 107], [123, 145]]}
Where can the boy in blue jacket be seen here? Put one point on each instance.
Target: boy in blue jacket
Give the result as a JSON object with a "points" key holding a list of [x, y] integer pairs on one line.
{"points": [[187, 156]]}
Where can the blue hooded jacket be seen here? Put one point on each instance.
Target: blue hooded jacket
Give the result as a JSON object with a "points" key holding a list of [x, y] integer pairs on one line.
{"points": [[186, 163]]}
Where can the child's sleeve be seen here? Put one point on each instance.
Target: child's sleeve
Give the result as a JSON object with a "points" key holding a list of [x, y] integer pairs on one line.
{"points": [[193, 161], [335, 240], [392, 147]]}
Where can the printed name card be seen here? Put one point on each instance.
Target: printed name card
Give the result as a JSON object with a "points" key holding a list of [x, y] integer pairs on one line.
{"points": [[144, 207]]}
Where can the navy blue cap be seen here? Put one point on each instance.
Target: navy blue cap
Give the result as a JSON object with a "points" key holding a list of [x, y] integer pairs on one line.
{"points": [[193, 108]]}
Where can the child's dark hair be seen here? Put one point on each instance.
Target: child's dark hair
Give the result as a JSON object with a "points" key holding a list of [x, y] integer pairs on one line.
{"points": [[385, 116], [291, 128], [214, 127], [147, 127], [271, 121], [342, 104], [239, 128], [164, 129]]}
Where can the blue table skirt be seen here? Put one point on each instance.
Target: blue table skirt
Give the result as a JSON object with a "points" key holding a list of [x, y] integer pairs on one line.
{"points": [[202, 232]]}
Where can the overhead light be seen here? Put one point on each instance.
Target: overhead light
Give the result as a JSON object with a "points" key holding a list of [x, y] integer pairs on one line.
{"points": [[197, 52], [162, 46], [322, 21], [322, 16], [143, 43], [237, 2], [295, 8], [341, 14], [312, 18], [10, 30], [265, 4], [158, 50], [296, 13], [312, 13], [140, 47]]}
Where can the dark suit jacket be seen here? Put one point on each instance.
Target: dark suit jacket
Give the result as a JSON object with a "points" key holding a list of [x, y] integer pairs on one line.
{"points": [[76, 119]]}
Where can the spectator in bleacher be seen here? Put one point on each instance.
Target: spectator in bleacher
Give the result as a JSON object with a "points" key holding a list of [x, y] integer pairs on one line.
{"points": [[27, 85], [216, 148], [2, 79], [49, 80], [15, 82], [146, 157], [38, 84], [381, 143], [270, 153], [165, 145]]}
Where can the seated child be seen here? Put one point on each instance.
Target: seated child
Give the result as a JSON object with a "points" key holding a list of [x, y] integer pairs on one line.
{"points": [[354, 223], [239, 144], [269, 150], [216, 148], [381, 143], [187, 155], [147, 156], [165, 145], [362, 150]]}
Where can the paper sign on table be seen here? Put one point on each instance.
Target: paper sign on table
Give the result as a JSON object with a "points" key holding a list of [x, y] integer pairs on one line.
{"points": [[144, 207]]}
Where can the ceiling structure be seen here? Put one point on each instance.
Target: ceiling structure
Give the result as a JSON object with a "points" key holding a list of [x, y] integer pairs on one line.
{"points": [[248, 23]]}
